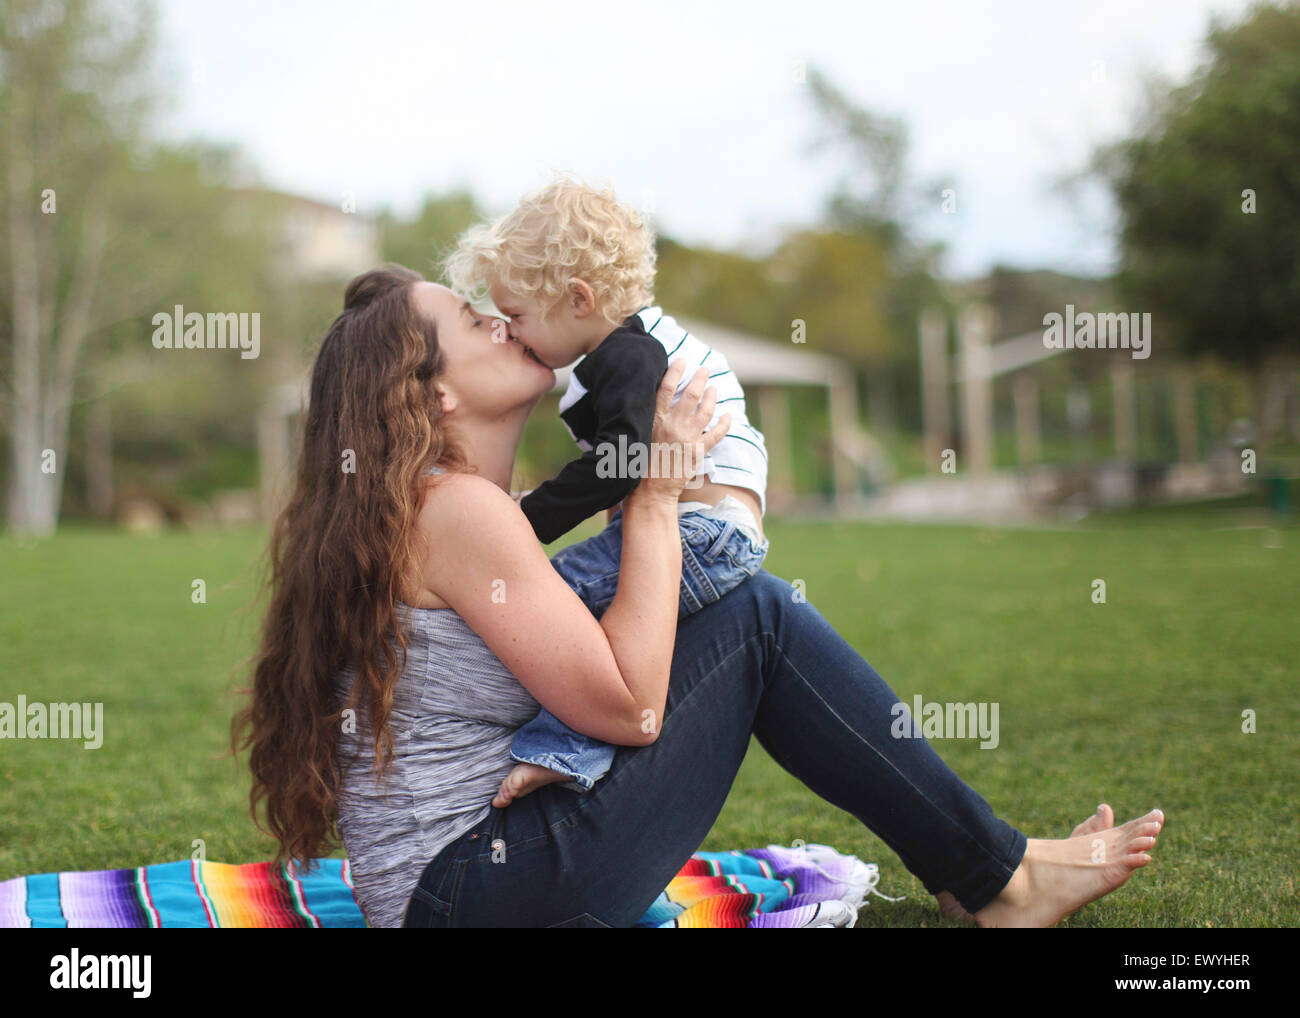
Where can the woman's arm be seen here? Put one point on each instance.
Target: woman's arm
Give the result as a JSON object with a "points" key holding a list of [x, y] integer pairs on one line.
{"points": [[641, 622], [599, 678]]}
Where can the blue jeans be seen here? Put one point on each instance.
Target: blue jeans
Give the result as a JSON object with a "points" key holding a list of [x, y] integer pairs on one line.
{"points": [[716, 556], [761, 661]]}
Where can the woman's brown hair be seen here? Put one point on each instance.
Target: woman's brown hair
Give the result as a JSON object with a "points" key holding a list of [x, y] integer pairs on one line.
{"points": [[338, 553]]}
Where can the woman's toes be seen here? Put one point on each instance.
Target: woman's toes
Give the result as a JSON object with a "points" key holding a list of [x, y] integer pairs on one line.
{"points": [[1102, 820], [1152, 823]]}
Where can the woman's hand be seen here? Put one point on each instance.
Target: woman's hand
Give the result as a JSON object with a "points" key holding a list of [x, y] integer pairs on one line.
{"points": [[681, 436]]}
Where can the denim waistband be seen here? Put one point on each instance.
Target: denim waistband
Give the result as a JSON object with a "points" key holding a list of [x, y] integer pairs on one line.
{"points": [[731, 509]]}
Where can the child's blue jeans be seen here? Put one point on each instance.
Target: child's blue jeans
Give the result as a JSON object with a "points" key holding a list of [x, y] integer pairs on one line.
{"points": [[717, 556]]}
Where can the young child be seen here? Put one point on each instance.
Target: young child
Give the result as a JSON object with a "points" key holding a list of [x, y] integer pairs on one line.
{"points": [[572, 270]]}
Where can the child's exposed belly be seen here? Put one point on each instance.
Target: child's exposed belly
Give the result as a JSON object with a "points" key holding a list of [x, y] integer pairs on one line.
{"points": [[713, 493]]}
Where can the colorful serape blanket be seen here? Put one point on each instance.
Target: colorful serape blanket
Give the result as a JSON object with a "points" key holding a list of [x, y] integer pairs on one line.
{"points": [[809, 886], [188, 893]]}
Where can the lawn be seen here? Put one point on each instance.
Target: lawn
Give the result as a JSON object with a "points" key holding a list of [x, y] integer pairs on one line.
{"points": [[1137, 701]]}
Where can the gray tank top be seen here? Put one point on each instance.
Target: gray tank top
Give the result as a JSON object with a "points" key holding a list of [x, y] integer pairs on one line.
{"points": [[455, 711]]}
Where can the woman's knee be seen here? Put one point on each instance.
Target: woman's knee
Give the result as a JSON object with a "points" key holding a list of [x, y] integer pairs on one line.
{"points": [[772, 595]]}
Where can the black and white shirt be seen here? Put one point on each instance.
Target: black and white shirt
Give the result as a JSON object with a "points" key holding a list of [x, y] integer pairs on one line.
{"points": [[612, 393]]}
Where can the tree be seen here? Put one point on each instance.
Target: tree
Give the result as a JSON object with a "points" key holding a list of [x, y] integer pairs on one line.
{"points": [[104, 227], [725, 287], [1208, 193], [422, 243], [72, 102], [837, 283], [876, 201]]}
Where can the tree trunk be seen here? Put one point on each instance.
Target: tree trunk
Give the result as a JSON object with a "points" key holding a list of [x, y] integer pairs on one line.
{"points": [[29, 494], [43, 391]]}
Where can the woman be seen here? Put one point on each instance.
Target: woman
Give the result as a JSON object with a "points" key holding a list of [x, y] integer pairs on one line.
{"points": [[401, 522]]}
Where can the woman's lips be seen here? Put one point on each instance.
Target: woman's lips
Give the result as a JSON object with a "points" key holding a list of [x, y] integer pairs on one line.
{"points": [[529, 353]]}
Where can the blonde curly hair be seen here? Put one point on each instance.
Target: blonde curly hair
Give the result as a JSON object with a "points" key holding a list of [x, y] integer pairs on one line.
{"points": [[564, 231]]}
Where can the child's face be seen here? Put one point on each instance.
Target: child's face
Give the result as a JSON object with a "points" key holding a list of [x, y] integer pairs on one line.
{"points": [[558, 340]]}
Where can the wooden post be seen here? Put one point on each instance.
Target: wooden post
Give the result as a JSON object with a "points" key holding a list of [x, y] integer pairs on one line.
{"points": [[934, 385], [1078, 412], [1184, 380], [844, 422], [1028, 443], [774, 405], [1121, 380], [977, 388]]}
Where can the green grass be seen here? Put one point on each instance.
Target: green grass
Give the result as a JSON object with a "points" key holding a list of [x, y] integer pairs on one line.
{"points": [[1137, 701]]}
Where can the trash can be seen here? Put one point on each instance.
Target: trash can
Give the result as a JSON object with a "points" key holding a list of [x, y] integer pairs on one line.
{"points": [[1277, 494]]}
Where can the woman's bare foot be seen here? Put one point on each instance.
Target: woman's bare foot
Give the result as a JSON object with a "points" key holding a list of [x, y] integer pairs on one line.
{"points": [[1056, 878], [523, 779], [1102, 820], [951, 907]]}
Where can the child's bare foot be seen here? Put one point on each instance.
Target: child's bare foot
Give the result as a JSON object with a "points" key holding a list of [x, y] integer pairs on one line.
{"points": [[1056, 878], [1102, 820], [523, 779]]}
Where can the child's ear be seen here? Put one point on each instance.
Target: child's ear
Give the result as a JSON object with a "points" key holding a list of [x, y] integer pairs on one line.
{"points": [[582, 298]]}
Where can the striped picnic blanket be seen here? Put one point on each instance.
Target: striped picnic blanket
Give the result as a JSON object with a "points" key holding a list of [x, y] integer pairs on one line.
{"points": [[766, 888], [186, 893], [808, 886]]}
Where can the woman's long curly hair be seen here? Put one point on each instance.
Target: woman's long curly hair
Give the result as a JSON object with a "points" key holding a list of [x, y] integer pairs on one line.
{"points": [[338, 554]]}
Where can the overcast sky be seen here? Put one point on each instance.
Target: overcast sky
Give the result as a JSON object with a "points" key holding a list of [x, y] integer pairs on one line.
{"points": [[692, 109]]}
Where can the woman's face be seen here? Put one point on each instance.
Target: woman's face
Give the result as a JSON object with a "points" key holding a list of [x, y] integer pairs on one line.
{"points": [[486, 371]]}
